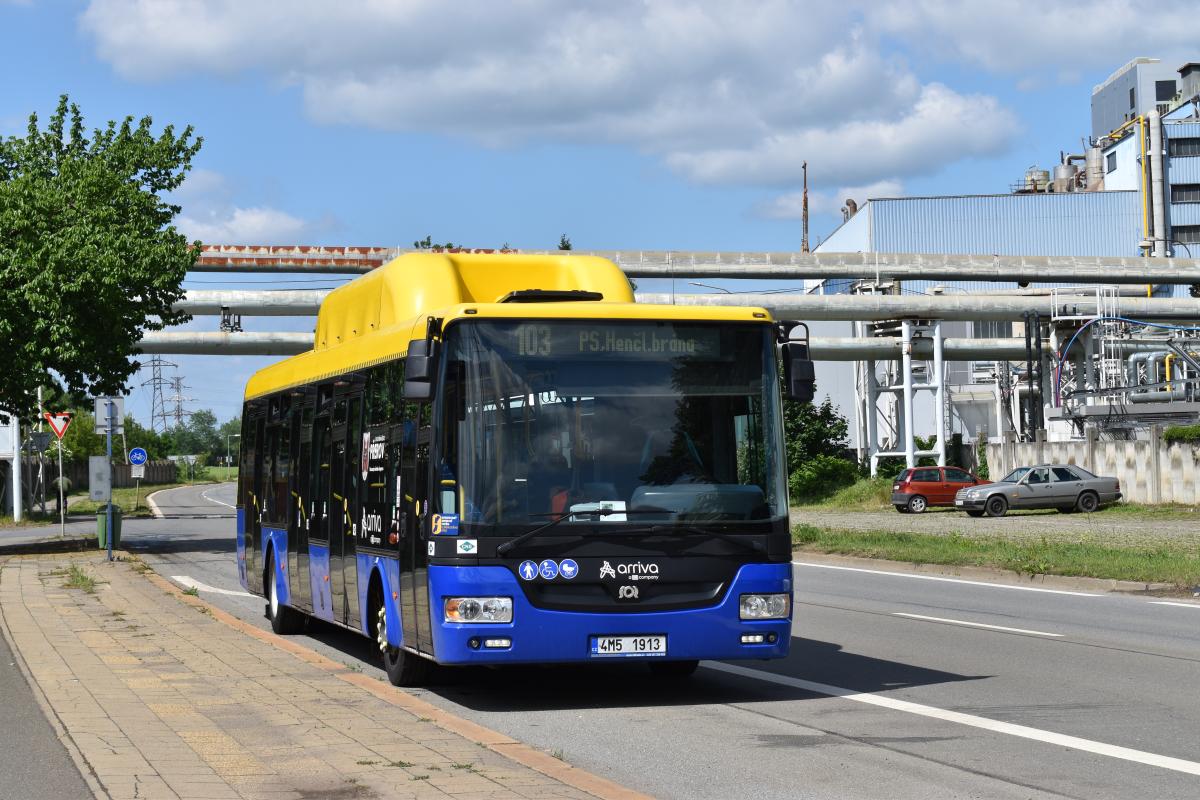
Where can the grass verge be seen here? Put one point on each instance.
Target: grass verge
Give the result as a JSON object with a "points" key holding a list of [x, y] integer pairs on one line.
{"points": [[1178, 566], [131, 499], [865, 494]]}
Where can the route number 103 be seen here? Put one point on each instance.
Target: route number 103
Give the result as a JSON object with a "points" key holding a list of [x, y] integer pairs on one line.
{"points": [[533, 340]]}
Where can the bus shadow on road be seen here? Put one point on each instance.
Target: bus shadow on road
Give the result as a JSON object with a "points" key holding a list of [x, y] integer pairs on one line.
{"points": [[537, 688]]}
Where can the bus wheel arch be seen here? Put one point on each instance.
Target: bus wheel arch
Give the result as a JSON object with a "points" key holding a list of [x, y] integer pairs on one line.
{"points": [[284, 619], [403, 668]]}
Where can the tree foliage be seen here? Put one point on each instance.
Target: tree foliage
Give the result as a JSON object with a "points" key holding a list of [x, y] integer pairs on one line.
{"points": [[812, 430], [564, 243], [89, 259]]}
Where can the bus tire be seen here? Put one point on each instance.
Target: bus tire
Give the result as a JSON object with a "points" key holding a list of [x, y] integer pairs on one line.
{"points": [[402, 667], [284, 619], [673, 669]]}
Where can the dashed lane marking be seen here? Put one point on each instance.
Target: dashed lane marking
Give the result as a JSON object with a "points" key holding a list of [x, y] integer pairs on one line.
{"points": [[983, 723], [974, 624]]}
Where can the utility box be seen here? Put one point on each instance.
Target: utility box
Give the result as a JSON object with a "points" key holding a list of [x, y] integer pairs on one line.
{"points": [[102, 527], [99, 479]]}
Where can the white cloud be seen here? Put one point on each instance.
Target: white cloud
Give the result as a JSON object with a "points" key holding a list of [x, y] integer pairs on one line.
{"points": [[1020, 36], [736, 92], [940, 127], [211, 214], [244, 226], [791, 205]]}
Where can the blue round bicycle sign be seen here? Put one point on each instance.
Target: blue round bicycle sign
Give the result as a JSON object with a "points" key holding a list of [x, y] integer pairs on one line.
{"points": [[137, 456]]}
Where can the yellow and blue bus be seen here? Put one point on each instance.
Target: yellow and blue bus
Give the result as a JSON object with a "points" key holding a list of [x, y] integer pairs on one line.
{"points": [[494, 459]]}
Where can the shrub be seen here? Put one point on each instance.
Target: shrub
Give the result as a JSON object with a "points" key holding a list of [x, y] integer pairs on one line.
{"points": [[819, 477], [1182, 433]]}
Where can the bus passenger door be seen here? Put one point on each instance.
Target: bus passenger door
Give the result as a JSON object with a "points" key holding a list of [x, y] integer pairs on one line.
{"points": [[339, 508], [414, 559], [319, 508], [355, 472], [298, 518], [251, 480]]}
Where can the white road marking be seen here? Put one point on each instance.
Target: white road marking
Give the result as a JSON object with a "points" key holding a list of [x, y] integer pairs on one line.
{"points": [[947, 580], [192, 583], [974, 624], [983, 723], [204, 494], [1181, 605]]}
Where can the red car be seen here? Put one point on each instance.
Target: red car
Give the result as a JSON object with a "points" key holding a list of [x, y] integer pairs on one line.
{"points": [[918, 488]]}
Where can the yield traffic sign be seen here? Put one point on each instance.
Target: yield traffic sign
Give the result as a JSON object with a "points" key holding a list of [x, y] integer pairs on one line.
{"points": [[58, 422]]}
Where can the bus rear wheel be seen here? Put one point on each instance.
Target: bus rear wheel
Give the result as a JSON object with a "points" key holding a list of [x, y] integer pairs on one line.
{"points": [[402, 667], [673, 669]]}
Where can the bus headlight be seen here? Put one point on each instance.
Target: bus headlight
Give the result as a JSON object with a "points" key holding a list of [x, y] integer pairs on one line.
{"points": [[479, 609], [765, 606]]}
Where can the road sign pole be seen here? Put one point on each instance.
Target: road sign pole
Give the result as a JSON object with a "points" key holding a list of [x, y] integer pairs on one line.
{"points": [[112, 408], [16, 472], [62, 503]]}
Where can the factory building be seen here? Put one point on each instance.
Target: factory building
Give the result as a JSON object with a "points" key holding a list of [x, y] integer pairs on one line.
{"points": [[1135, 190]]}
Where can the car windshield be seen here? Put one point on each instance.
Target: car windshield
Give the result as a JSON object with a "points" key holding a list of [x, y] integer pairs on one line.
{"points": [[1015, 475], [638, 421]]}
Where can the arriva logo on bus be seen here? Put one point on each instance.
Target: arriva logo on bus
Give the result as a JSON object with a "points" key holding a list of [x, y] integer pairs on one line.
{"points": [[634, 569]]}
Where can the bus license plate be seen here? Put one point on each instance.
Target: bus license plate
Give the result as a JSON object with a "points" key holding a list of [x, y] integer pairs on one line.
{"points": [[625, 646]]}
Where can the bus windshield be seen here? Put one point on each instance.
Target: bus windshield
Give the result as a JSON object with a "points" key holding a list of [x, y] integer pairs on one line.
{"points": [[631, 422]]}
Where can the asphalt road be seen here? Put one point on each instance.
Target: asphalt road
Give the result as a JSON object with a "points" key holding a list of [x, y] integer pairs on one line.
{"points": [[898, 686]]}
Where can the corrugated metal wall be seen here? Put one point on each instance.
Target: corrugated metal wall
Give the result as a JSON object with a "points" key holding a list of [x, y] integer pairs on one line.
{"points": [[1183, 169], [1181, 130], [1072, 224]]}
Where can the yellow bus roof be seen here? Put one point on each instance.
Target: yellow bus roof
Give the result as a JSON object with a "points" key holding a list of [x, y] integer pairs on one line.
{"points": [[371, 319]]}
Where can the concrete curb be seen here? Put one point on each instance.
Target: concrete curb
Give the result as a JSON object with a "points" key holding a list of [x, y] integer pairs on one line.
{"points": [[68, 544], [60, 730], [495, 741], [153, 506], [988, 574]]}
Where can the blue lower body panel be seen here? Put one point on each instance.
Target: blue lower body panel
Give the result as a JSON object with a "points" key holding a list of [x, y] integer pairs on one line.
{"points": [[318, 570], [241, 547], [543, 636]]}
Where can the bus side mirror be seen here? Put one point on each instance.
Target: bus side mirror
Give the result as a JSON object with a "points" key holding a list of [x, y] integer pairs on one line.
{"points": [[798, 373], [420, 366]]}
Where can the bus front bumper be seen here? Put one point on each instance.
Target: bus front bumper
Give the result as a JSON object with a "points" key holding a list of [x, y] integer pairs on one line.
{"points": [[539, 635]]}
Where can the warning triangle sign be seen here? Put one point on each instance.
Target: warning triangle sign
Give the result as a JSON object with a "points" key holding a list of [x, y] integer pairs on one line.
{"points": [[58, 422]]}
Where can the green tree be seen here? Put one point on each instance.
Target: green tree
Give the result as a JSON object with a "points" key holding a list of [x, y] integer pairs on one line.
{"points": [[564, 243], [198, 436], [428, 244], [812, 430], [89, 259]]}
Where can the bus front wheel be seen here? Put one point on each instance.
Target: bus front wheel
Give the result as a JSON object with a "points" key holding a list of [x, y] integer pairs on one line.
{"points": [[402, 667]]}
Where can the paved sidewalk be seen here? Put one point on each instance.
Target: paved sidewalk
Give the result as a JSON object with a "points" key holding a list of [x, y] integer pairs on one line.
{"points": [[161, 696]]}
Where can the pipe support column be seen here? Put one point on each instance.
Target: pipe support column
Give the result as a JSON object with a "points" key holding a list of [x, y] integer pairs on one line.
{"points": [[910, 446], [939, 370]]}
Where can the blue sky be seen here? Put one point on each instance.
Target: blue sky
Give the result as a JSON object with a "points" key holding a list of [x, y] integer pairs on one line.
{"points": [[655, 125]]}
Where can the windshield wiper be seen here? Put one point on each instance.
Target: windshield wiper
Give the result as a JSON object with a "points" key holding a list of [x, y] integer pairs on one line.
{"points": [[524, 537], [751, 544]]}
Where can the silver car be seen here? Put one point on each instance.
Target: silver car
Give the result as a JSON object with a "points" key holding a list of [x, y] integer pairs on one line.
{"points": [[1063, 486]]}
